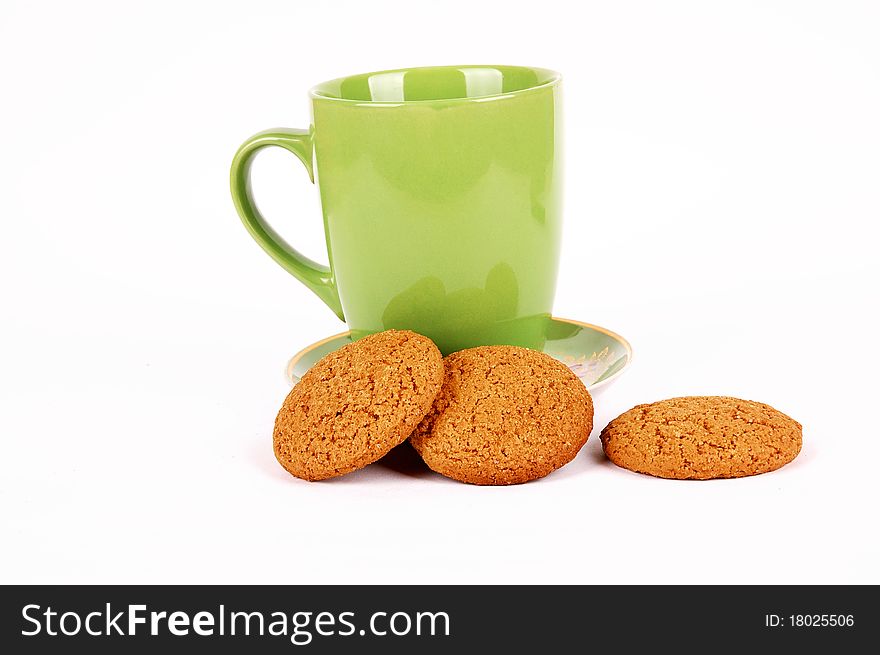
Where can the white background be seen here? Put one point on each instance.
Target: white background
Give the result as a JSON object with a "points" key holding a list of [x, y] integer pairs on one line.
{"points": [[722, 202]]}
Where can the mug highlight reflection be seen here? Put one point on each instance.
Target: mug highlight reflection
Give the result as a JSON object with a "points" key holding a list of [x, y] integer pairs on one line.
{"points": [[465, 317]]}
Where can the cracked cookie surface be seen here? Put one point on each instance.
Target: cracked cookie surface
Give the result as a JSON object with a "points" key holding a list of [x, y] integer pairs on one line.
{"points": [[505, 415], [356, 404], [702, 437]]}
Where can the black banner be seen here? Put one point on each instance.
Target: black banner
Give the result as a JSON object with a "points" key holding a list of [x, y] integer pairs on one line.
{"points": [[113, 619]]}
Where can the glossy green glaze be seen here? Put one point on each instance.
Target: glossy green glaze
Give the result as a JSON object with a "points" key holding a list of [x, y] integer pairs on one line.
{"points": [[596, 355], [440, 189]]}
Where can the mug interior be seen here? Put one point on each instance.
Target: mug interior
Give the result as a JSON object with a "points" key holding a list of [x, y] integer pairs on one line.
{"points": [[435, 83]]}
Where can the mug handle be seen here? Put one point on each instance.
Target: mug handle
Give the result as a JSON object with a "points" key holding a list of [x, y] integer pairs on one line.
{"points": [[317, 277]]}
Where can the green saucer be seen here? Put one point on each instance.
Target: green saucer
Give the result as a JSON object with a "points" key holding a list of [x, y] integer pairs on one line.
{"points": [[596, 355]]}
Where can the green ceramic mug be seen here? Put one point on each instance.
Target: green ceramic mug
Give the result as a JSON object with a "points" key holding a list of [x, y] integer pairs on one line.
{"points": [[440, 189]]}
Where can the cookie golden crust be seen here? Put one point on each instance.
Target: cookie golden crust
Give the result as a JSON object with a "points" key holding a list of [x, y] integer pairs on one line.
{"points": [[702, 437], [356, 404], [505, 415]]}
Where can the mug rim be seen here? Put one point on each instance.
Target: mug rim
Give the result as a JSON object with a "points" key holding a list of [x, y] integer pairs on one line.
{"points": [[553, 78]]}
